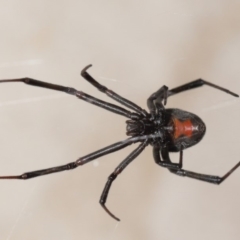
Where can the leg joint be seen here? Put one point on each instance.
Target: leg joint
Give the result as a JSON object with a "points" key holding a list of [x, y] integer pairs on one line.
{"points": [[71, 165], [112, 177]]}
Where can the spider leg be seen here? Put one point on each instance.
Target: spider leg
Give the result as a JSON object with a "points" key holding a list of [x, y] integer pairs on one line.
{"points": [[198, 176], [166, 162], [110, 93], [42, 172], [198, 83], [108, 106], [81, 161], [205, 177], [117, 171], [154, 102]]}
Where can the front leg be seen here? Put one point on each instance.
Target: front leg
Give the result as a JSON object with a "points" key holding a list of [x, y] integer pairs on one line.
{"points": [[81, 95], [81, 161]]}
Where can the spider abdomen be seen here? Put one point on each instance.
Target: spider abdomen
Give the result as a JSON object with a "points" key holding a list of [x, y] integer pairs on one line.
{"points": [[185, 129]]}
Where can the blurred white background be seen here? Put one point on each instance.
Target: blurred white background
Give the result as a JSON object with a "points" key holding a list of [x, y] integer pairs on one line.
{"points": [[135, 48]]}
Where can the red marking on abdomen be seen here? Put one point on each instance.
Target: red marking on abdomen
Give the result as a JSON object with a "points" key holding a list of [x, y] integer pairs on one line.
{"points": [[182, 128]]}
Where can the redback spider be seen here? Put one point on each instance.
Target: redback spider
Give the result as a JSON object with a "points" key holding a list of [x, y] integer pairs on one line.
{"points": [[167, 130]]}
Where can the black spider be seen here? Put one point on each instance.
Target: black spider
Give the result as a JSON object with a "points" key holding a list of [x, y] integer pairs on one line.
{"points": [[167, 130]]}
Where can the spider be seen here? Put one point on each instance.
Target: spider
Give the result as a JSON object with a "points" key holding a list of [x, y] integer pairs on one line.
{"points": [[166, 130]]}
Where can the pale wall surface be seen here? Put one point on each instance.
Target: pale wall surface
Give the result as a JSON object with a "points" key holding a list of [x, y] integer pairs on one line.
{"points": [[135, 47]]}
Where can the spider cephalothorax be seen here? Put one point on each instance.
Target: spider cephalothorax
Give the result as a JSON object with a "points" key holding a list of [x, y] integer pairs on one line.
{"points": [[167, 130], [140, 127]]}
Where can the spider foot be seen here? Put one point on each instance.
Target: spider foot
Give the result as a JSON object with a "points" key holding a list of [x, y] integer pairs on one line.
{"points": [[11, 177], [113, 216], [85, 69]]}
